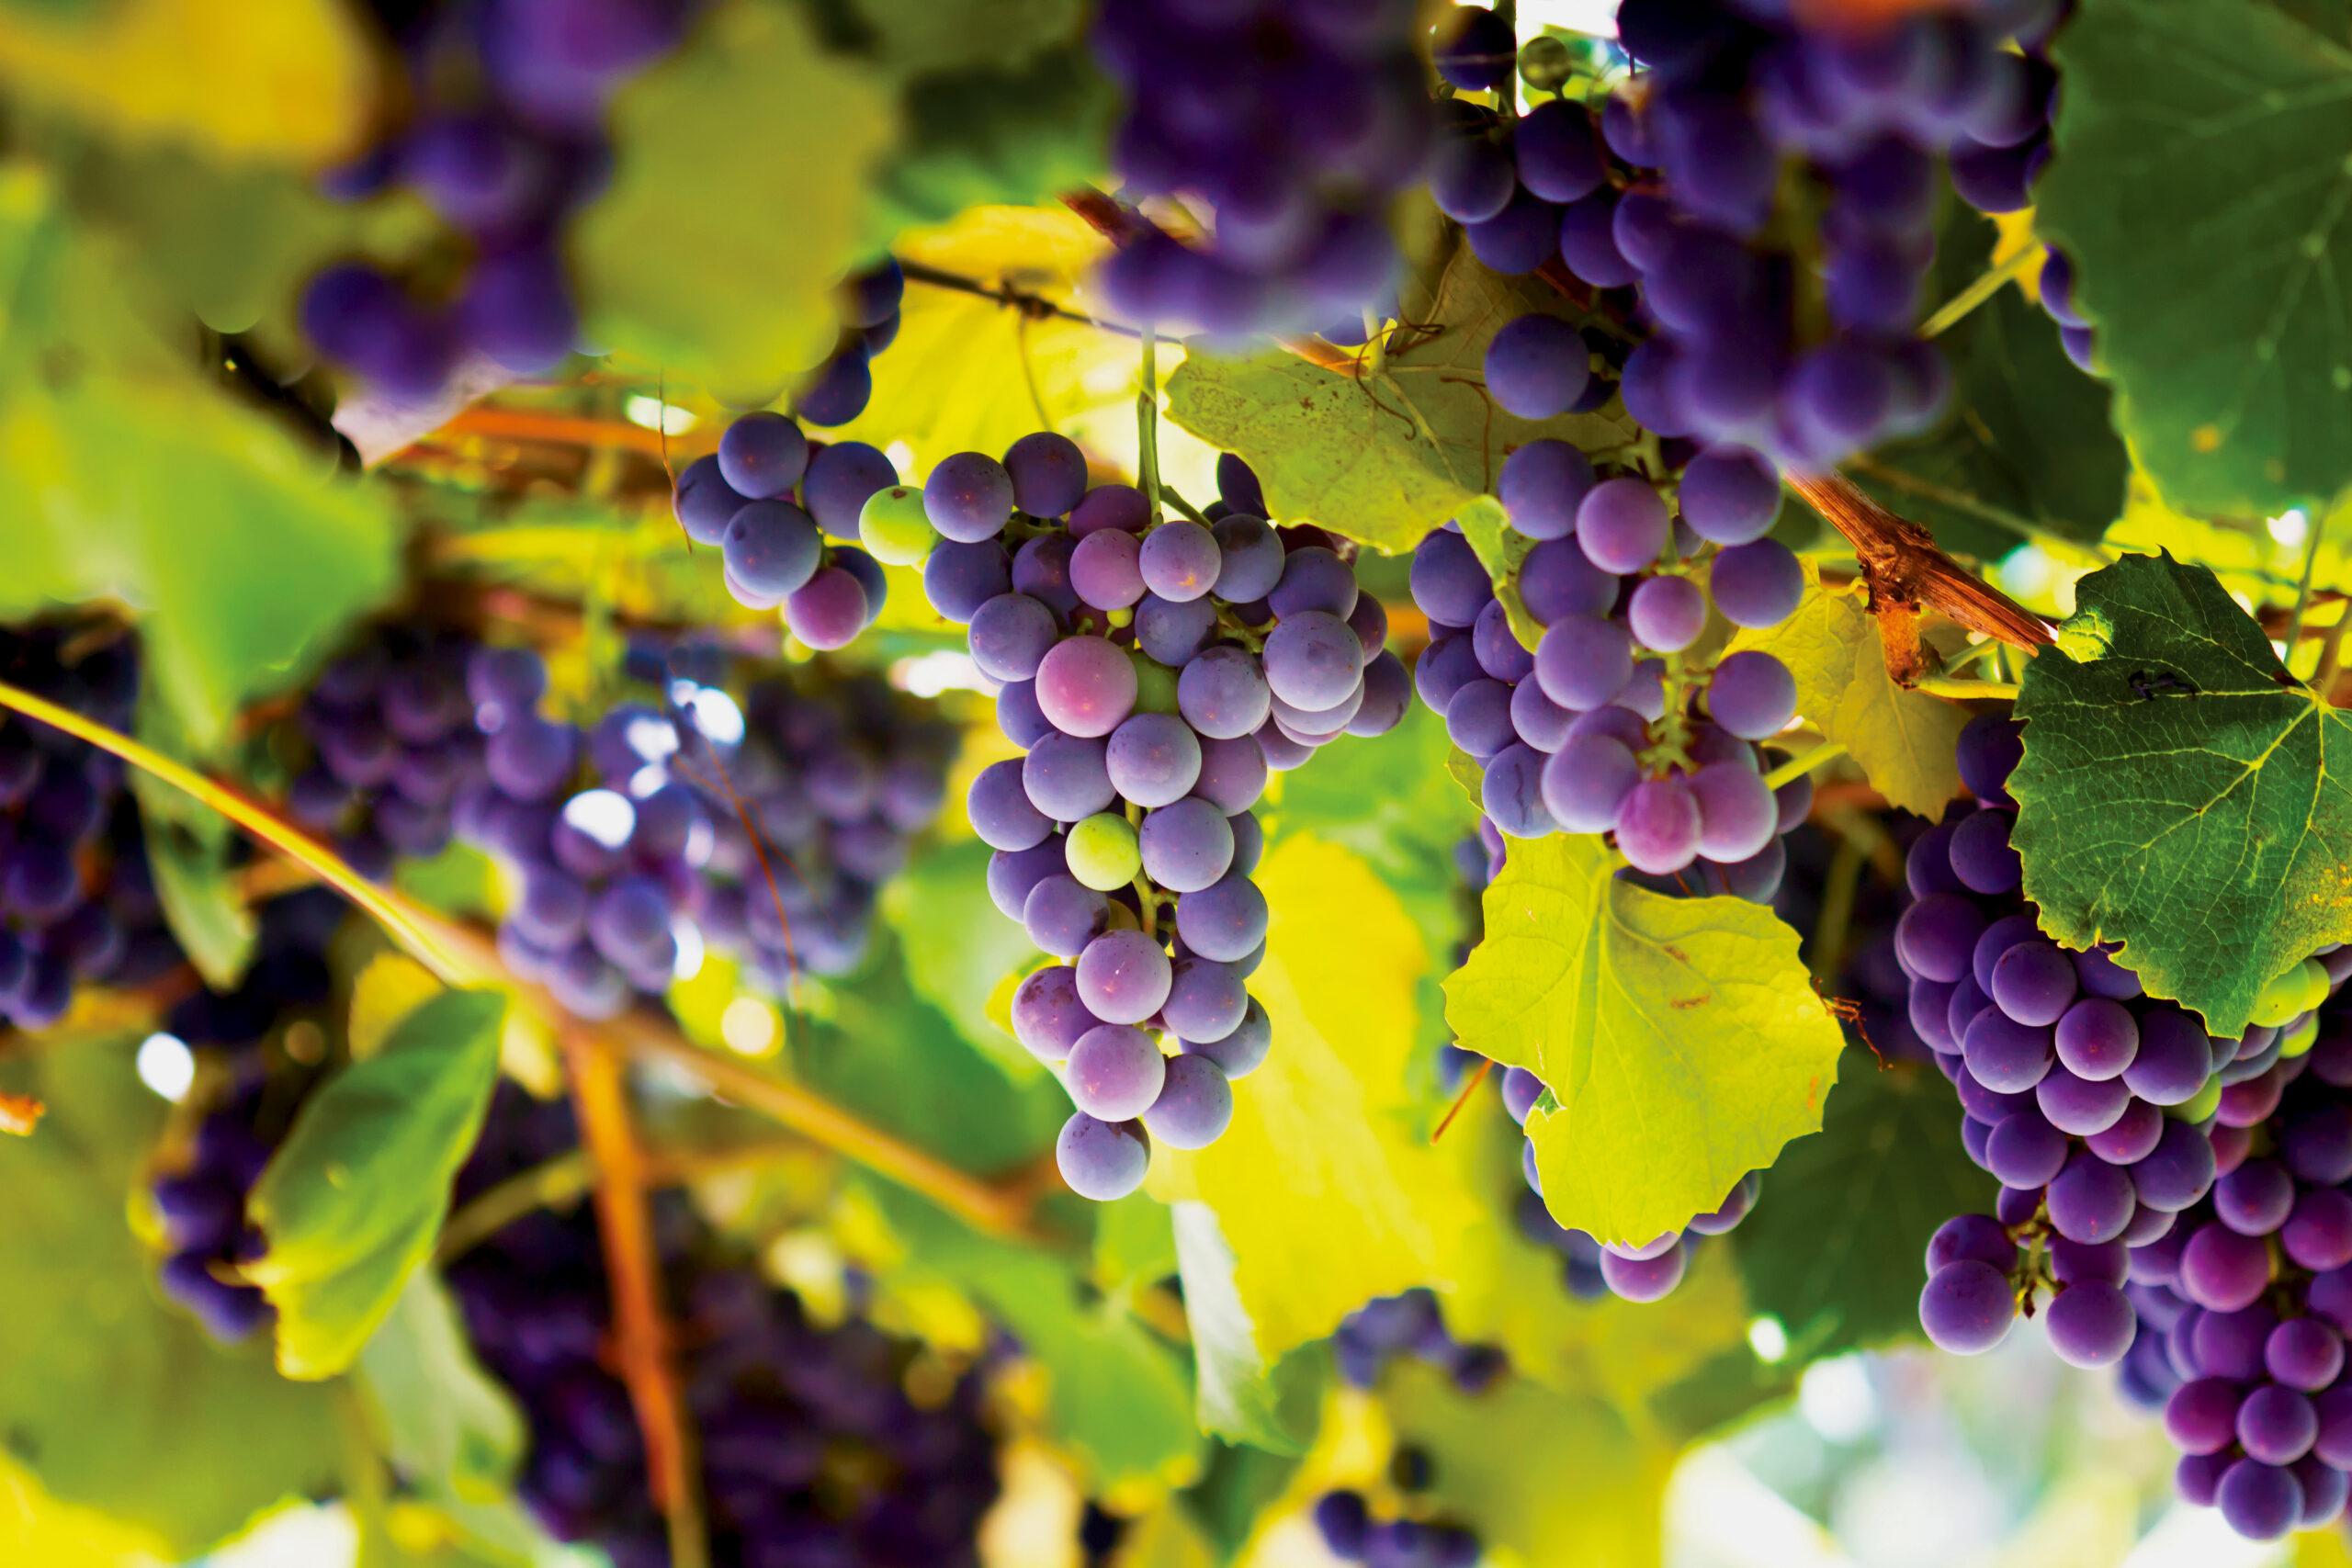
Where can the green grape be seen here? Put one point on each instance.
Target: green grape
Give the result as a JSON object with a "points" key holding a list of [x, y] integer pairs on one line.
{"points": [[1154, 684], [1103, 851], [1545, 63], [2199, 1106], [892, 527]]}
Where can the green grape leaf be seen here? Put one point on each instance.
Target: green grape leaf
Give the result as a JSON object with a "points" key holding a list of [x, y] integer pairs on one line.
{"points": [[112, 1399], [2180, 792], [1900, 739], [1246, 1394], [1333, 1118], [767, 236], [1681, 1036], [125, 474], [1500, 549], [957, 36], [959, 947], [1578, 1481], [1833, 1249], [1115, 1395], [436, 1416], [353, 1200], [1382, 456], [189, 848], [2226, 338], [2028, 438], [978, 138]]}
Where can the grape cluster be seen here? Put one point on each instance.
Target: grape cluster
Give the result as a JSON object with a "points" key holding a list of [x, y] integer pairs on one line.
{"points": [[836, 779], [1410, 1324], [1591, 731], [1675, 192], [77, 896], [768, 499], [816, 1444], [2181, 1197], [255, 1084], [1353, 1534], [505, 142], [1152, 673], [1294, 126]]}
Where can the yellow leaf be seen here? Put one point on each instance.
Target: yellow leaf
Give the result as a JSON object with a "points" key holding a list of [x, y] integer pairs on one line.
{"points": [[388, 990], [1326, 1186], [280, 80], [1681, 1037], [971, 374], [1902, 740]]}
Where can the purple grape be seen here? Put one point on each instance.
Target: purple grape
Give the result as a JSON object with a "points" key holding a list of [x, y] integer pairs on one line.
{"points": [[772, 548], [1196, 1103], [2255, 1198], [2318, 1233], [1511, 793], [1658, 828], [1982, 856], [1105, 571], [1047, 474], [1967, 1307], [1448, 586], [1086, 686], [1011, 637], [1752, 694], [1181, 561], [2221, 1270], [1066, 777], [1537, 367], [2091, 1200], [1315, 578], [1224, 693], [705, 503], [1757, 584], [1541, 486], [762, 455], [1313, 661], [1172, 634], [2172, 1061], [841, 478], [829, 610], [1240, 1052], [1585, 784], [1102, 1160], [1251, 558], [1062, 916], [1622, 526], [2091, 1323], [1154, 758], [1557, 153], [1114, 1072], [959, 579], [1001, 811], [1582, 662], [1224, 920], [2260, 1502], [1645, 1279], [1233, 774], [1666, 613], [969, 497]]}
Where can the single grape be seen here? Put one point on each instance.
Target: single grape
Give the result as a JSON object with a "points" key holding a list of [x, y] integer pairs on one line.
{"points": [[1001, 811], [1086, 686], [772, 548], [762, 455], [1196, 1103], [1047, 473], [969, 497], [1541, 486], [1102, 851], [1224, 920], [1180, 561], [1967, 1307], [1752, 694], [1622, 526], [1537, 367], [1102, 1160], [829, 610], [1115, 1072], [894, 526], [1757, 584]]}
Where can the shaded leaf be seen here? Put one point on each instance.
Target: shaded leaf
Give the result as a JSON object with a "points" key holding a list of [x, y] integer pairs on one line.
{"points": [[1247, 1394], [2200, 189], [436, 1416]]}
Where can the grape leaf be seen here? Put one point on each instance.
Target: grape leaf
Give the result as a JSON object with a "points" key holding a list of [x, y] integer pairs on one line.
{"points": [[125, 474], [1331, 1121], [1500, 549], [1115, 1395], [294, 80], [959, 946], [1902, 740], [436, 1416], [1833, 1248], [1681, 1036], [768, 235], [2180, 792], [2200, 189], [976, 138], [955, 36], [1582, 1483], [1246, 1394], [354, 1198], [110, 1398], [189, 848], [1382, 456], [2028, 432]]}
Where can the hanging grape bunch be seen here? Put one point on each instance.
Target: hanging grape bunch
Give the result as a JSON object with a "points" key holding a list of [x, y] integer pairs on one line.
{"points": [[2178, 1197], [1153, 673], [1321, 121], [768, 500], [812, 1449]]}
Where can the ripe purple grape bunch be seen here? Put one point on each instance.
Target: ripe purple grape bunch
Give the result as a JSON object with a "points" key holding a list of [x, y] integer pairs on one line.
{"points": [[1611, 723], [2179, 1199], [1152, 673], [770, 499], [1675, 190], [811, 1448], [1321, 120]]}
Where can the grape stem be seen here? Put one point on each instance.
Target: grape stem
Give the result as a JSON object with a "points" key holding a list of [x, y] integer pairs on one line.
{"points": [[1033, 307], [633, 1265], [1147, 425], [2303, 588], [1962, 690], [1980, 289], [1798, 766]]}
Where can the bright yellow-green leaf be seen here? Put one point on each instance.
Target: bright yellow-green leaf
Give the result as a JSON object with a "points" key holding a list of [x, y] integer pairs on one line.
{"points": [[388, 990], [1326, 1186], [1382, 456], [1902, 740], [353, 1200], [292, 79], [1244, 1391], [1681, 1036], [736, 203], [971, 373], [35, 1528], [1500, 549], [1545, 1478]]}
